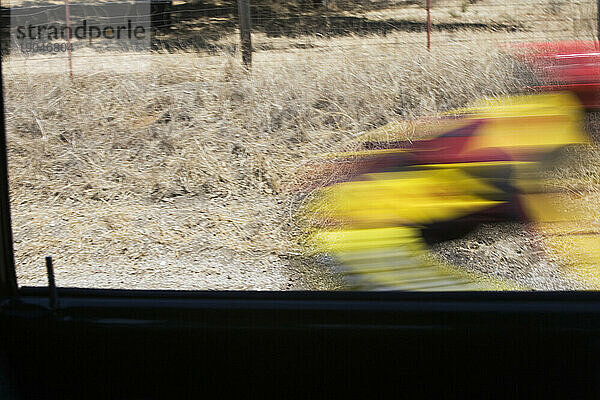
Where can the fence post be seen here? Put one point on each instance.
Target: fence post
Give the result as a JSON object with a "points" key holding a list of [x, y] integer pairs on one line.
{"points": [[428, 6], [68, 22], [598, 19], [244, 16]]}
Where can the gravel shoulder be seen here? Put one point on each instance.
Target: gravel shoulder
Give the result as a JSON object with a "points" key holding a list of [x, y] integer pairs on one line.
{"points": [[509, 251], [196, 245]]}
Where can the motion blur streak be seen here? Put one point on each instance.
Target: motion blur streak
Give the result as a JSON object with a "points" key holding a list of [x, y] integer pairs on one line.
{"points": [[564, 66], [370, 209]]}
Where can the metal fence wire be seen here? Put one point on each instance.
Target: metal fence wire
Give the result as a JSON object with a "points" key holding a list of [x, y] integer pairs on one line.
{"points": [[211, 27]]}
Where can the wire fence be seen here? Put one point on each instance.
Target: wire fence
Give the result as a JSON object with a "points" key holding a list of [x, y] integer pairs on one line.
{"points": [[210, 28]]}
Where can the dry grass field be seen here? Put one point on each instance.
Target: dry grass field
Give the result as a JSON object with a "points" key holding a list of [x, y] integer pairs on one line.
{"points": [[174, 170]]}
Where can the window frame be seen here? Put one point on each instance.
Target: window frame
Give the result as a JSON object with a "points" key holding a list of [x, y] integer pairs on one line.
{"points": [[9, 288], [8, 276]]}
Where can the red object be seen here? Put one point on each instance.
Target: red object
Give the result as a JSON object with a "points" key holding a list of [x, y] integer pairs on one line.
{"points": [[567, 65]]}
